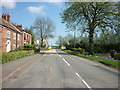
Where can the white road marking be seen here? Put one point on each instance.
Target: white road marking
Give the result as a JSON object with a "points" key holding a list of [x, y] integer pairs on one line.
{"points": [[60, 55], [66, 62], [78, 75], [83, 81], [44, 55], [51, 69]]}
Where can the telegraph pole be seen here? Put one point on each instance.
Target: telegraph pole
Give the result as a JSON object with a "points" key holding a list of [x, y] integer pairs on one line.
{"points": [[74, 37]]}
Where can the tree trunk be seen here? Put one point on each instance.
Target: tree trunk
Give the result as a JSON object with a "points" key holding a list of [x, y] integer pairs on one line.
{"points": [[91, 42], [41, 42], [41, 45]]}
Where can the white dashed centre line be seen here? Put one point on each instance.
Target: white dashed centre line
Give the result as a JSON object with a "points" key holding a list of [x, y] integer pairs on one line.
{"points": [[66, 62], [84, 81]]}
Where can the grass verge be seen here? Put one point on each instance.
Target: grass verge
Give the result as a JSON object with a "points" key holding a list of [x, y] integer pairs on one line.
{"points": [[102, 54], [44, 49], [10, 56], [112, 63]]}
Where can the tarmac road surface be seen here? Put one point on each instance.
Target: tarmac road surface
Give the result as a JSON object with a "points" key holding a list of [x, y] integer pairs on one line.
{"points": [[57, 69]]}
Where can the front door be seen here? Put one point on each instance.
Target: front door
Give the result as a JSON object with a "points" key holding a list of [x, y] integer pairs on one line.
{"points": [[8, 44]]}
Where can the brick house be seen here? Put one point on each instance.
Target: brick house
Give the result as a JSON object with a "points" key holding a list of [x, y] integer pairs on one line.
{"points": [[27, 38], [12, 36]]}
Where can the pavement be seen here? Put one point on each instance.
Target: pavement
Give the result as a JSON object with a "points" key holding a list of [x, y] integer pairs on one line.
{"points": [[57, 69]]}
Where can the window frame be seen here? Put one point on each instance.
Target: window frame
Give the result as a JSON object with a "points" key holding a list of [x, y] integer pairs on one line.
{"points": [[14, 36], [18, 37], [8, 34]]}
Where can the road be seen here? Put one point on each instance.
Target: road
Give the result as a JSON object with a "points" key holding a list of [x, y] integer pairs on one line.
{"points": [[57, 69]]}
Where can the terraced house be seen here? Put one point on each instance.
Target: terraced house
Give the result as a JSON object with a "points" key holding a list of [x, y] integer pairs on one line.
{"points": [[12, 36]]}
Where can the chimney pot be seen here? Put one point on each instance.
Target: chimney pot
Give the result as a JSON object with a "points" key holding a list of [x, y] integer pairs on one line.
{"points": [[6, 17]]}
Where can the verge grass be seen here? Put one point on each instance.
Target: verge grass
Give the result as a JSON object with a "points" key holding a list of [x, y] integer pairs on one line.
{"points": [[9, 56], [112, 63], [44, 49]]}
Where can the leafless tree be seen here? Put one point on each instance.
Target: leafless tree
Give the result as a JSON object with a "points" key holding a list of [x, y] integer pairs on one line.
{"points": [[44, 28]]}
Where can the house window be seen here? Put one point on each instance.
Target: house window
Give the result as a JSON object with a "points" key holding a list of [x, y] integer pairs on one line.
{"points": [[14, 36], [8, 34], [24, 36], [18, 37], [14, 47]]}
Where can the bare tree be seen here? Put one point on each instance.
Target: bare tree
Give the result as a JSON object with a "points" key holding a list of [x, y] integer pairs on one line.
{"points": [[60, 41], [44, 28]]}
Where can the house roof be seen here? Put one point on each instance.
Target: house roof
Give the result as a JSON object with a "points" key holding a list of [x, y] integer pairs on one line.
{"points": [[9, 25]]}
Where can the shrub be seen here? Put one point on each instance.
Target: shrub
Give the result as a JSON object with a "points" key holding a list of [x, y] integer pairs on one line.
{"points": [[81, 50], [20, 48], [74, 49], [49, 48], [9, 56], [117, 56], [29, 46]]}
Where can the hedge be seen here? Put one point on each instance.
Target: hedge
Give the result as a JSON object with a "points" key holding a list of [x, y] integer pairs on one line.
{"points": [[9, 56], [29, 46], [80, 50], [117, 56], [112, 63]]}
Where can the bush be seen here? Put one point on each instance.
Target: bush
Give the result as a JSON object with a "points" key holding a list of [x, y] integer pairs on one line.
{"points": [[9, 56], [49, 48], [80, 50], [117, 56], [105, 48], [29, 46], [20, 48], [74, 49]]}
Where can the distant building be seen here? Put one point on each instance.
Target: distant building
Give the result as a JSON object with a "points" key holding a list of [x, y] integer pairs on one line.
{"points": [[12, 36], [45, 43], [27, 38], [38, 42], [63, 47]]}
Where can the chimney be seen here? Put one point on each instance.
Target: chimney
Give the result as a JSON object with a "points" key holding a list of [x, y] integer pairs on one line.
{"points": [[19, 27], [6, 17]]}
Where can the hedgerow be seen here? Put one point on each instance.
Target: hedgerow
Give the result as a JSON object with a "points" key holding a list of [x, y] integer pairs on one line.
{"points": [[9, 56]]}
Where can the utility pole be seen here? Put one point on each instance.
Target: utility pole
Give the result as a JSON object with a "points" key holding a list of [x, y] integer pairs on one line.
{"points": [[74, 37]]}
